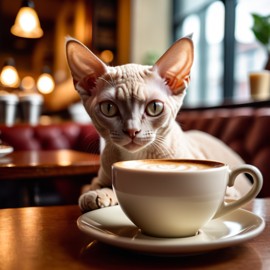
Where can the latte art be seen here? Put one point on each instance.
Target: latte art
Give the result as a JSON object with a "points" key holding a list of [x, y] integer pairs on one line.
{"points": [[167, 165], [171, 167]]}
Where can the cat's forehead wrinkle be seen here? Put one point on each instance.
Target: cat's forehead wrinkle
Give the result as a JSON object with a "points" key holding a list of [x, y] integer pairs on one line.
{"points": [[129, 81], [130, 91], [121, 74]]}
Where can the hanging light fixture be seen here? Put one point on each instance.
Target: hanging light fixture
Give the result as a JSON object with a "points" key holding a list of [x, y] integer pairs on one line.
{"points": [[45, 82], [9, 75], [27, 23]]}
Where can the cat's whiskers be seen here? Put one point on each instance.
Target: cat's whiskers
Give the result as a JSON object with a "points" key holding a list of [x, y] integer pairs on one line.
{"points": [[111, 83], [115, 133], [109, 152], [161, 148], [112, 79], [91, 146], [158, 152]]}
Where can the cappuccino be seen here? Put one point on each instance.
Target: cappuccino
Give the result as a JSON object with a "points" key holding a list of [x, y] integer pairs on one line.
{"points": [[175, 198]]}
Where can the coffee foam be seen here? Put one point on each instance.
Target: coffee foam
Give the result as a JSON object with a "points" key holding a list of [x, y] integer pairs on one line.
{"points": [[172, 167], [168, 165]]}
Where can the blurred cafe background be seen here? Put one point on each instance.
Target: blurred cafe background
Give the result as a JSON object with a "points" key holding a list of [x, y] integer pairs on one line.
{"points": [[123, 31], [40, 110]]}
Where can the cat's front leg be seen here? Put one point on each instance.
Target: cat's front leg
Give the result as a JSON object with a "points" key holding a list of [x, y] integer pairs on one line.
{"points": [[99, 193], [97, 197]]}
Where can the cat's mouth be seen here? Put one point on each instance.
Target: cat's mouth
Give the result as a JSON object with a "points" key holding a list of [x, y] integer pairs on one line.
{"points": [[133, 144]]}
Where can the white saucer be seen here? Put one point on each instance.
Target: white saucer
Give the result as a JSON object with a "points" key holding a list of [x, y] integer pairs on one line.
{"points": [[5, 149], [110, 225]]}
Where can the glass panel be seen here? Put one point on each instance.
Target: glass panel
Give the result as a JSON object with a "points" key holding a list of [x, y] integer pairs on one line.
{"points": [[250, 54], [207, 26], [191, 25], [214, 43]]}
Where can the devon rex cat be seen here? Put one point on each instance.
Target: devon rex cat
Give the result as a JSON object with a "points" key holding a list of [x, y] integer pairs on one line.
{"points": [[134, 107]]}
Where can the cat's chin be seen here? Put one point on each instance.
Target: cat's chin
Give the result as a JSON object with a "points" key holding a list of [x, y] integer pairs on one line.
{"points": [[132, 147]]}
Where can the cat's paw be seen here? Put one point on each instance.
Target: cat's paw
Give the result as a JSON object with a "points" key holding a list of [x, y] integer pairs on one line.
{"points": [[95, 199]]}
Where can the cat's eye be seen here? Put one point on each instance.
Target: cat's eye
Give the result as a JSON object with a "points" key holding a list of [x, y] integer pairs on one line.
{"points": [[108, 108], [154, 108]]}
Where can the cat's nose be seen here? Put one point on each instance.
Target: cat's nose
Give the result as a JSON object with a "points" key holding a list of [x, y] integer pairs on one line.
{"points": [[132, 132]]}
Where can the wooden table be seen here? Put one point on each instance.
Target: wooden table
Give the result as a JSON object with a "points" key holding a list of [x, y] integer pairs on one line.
{"points": [[48, 238], [43, 164], [25, 174]]}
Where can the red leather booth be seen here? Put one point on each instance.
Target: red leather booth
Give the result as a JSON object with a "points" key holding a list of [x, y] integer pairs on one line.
{"points": [[246, 130]]}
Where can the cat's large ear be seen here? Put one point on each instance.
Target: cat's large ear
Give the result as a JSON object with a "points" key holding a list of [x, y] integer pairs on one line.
{"points": [[84, 65], [175, 64]]}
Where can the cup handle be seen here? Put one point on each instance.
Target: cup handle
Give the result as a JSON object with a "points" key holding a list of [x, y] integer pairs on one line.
{"points": [[256, 175]]}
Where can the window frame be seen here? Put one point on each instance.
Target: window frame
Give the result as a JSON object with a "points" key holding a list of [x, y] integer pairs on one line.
{"points": [[229, 43]]}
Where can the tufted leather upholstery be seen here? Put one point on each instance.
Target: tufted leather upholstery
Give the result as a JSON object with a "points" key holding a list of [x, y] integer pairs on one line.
{"points": [[246, 130], [70, 135]]}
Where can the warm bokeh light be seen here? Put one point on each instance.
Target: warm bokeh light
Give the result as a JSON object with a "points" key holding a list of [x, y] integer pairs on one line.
{"points": [[45, 83], [107, 56], [10, 77], [28, 83], [27, 24]]}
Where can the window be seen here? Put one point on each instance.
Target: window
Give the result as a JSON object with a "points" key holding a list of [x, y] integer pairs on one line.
{"points": [[191, 25], [225, 47], [250, 55], [214, 32]]}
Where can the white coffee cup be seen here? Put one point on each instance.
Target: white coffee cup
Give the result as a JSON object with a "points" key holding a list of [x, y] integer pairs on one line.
{"points": [[175, 198]]}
